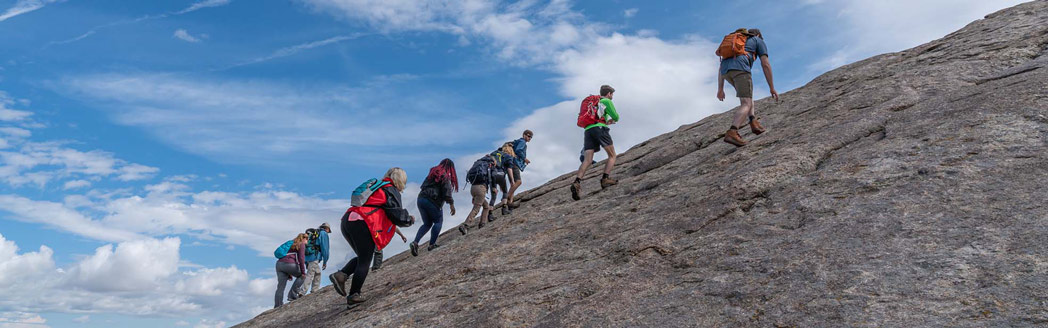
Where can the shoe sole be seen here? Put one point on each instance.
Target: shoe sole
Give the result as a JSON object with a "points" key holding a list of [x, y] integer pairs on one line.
{"points": [[575, 193], [340, 291]]}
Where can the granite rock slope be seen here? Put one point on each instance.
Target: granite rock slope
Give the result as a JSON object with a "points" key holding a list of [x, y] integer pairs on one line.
{"points": [[904, 190]]}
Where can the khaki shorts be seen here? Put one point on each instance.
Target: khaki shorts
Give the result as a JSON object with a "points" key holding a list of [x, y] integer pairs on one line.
{"points": [[742, 81]]}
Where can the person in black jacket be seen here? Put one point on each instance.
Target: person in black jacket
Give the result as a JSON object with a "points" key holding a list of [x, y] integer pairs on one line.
{"points": [[436, 189]]}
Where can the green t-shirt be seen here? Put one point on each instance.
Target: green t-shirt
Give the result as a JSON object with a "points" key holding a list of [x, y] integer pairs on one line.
{"points": [[609, 112]]}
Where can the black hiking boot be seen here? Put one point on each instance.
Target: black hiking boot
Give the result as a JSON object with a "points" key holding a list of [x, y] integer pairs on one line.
{"points": [[414, 248], [480, 224], [491, 217], [576, 190], [506, 210], [608, 182], [432, 247], [463, 229], [338, 279]]}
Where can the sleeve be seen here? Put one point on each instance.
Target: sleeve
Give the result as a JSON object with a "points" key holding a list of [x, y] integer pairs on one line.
{"points": [[521, 148], [609, 109], [448, 189], [395, 212], [762, 49], [324, 252], [300, 259]]}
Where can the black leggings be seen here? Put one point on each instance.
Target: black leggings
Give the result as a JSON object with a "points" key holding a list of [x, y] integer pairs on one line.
{"points": [[359, 238]]}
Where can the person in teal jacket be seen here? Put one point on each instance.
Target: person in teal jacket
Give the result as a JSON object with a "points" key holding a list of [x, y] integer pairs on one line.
{"points": [[316, 252], [598, 135]]}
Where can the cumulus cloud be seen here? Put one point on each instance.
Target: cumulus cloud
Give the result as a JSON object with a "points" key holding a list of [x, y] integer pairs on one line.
{"points": [[184, 35], [132, 265]]}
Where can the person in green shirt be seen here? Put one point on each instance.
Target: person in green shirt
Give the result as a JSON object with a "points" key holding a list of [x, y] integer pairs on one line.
{"points": [[598, 136]]}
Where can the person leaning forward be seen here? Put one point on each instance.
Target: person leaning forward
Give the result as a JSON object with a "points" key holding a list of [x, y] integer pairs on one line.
{"points": [[736, 70]]}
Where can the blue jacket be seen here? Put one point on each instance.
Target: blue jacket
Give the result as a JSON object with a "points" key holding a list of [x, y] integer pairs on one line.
{"points": [[520, 147], [322, 239]]}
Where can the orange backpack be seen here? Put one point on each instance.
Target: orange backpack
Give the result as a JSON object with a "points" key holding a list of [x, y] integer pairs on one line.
{"points": [[734, 44]]}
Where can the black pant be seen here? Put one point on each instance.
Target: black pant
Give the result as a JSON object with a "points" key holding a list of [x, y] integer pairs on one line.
{"points": [[359, 238]]}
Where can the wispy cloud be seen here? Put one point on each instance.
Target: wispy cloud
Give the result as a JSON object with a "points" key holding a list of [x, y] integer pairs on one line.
{"points": [[292, 50], [184, 35], [24, 6], [630, 12], [203, 4]]}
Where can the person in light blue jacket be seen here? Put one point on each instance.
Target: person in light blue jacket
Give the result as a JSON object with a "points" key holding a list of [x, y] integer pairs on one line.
{"points": [[317, 255], [520, 148]]}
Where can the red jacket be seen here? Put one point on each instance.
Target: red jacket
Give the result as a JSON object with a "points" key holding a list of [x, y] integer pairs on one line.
{"points": [[381, 212]]}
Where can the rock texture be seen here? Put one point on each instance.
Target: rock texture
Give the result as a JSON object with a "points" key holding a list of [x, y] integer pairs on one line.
{"points": [[904, 190]]}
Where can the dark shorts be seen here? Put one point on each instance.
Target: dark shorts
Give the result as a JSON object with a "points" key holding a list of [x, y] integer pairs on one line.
{"points": [[596, 137], [516, 174], [742, 81]]}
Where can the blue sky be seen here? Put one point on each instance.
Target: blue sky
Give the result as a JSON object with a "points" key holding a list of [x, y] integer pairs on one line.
{"points": [[153, 153]]}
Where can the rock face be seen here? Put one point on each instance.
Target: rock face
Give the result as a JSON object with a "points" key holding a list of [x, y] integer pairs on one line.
{"points": [[904, 190]]}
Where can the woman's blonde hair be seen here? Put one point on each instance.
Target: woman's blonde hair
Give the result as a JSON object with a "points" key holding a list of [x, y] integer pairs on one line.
{"points": [[508, 148], [399, 177], [299, 240]]}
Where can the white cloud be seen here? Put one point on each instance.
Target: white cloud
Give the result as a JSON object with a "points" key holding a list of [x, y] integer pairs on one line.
{"points": [[203, 4], [289, 51], [207, 323], [630, 12], [76, 184], [867, 28], [213, 282], [24, 6], [132, 265], [82, 319], [16, 269], [184, 35], [39, 163]]}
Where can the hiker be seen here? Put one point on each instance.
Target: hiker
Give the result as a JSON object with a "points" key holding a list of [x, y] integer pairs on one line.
{"points": [[436, 189], [504, 163], [520, 149], [480, 177], [370, 227], [596, 113], [377, 264], [316, 251], [738, 51], [291, 264]]}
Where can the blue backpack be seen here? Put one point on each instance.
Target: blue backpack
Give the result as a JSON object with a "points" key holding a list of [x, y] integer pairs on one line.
{"points": [[364, 191], [281, 251], [480, 173]]}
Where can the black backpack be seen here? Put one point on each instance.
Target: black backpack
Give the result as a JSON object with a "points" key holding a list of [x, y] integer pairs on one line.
{"points": [[313, 245], [480, 173]]}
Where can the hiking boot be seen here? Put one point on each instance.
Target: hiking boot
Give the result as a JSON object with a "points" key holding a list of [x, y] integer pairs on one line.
{"points": [[432, 247], [506, 210], [414, 248], [732, 137], [755, 126], [462, 229], [576, 190], [355, 299], [608, 182], [338, 279], [480, 224], [491, 217], [514, 205]]}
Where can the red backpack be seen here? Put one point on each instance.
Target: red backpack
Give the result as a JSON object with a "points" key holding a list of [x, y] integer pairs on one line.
{"points": [[589, 113]]}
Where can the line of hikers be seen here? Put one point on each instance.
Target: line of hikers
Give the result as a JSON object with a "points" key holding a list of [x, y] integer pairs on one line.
{"points": [[377, 211]]}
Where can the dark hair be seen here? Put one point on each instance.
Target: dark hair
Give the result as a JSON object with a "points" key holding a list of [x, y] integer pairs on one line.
{"points": [[528, 133], [755, 32], [605, 90]]}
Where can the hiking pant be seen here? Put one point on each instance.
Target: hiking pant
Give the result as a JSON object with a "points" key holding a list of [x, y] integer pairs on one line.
{"points": [[284, 273], [359, 238], [312, 277], [432, 219], [480, 204], [377, 264]]}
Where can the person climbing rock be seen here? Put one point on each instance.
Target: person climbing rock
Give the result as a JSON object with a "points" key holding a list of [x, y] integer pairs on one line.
{"points": [[316, 252], [377, 263], [291, 265], [369, 228], [738, 51], [480, 177], [505, 162], [520, 149], [441, 182], [596, 114]]}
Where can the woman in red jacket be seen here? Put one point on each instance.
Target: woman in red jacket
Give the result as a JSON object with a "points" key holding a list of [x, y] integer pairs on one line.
{"points": [[369, 228]]}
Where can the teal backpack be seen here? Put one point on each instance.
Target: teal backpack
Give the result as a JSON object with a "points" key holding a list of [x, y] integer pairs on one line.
{"points": [[364, 191], [281, 251]]}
